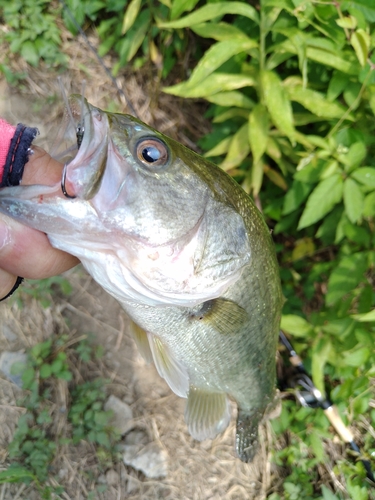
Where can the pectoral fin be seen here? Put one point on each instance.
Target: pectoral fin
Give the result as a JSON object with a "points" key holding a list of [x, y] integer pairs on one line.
{"points": [[222, 314], [141, 339], [206, 413], [168, 367]]}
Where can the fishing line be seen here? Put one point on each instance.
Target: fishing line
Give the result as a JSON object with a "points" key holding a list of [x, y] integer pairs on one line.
{"points": [[310, 397], [100, 60]]}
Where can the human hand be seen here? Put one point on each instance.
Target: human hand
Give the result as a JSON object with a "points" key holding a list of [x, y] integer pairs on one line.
{"points": [[24, 251]]}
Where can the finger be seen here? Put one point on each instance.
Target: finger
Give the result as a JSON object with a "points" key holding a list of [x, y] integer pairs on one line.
{"points": [[41, 168], [28, 253], [7, 282]]}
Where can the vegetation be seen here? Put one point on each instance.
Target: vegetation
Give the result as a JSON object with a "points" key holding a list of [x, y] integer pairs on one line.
{"points": [[38, 439], [291, 87]]}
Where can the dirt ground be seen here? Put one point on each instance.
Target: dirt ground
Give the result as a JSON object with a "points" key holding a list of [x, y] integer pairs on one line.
{"points": [[196, 471]]}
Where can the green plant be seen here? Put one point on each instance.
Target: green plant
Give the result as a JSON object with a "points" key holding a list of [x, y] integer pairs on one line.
{"points": [[292, 87], [130, 29], [35, 443], [32, 31], [87, 416], [42, 290]]}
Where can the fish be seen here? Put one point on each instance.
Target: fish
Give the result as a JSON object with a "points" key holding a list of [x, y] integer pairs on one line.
{"points": [[186, 253]]}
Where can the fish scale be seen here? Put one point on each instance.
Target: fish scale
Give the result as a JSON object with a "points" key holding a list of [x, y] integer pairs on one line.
{"points": [[184, 250]]}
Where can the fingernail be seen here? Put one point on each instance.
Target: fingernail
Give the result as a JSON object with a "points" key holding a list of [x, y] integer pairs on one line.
{"points": [[4, 235]]}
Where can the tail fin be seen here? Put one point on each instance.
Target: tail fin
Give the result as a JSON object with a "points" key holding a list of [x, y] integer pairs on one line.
{"points": [[247, 435]]}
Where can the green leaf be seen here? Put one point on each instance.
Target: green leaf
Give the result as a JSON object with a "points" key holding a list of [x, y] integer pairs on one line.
{"points": [[217, 55], [365, 6], [130, 15], [327, 230], [16, 473], [257, 171], [349, 22], [360, 41], [369, 205], [321, 201], [296, 325], [231, 113], [370, 316], [45, 371], [231, 98], [217, 82], [213, 11], [295, 195], [337, 85], [277, 103], [316, 102], [365, 175], [218, 31], [135, 37], [328, 495], [356, 357], [356, 154], [353, 200], [220, 148], [304, 247], [346, 277], [239, 148], [317, 446], [180, 6], [29, 53], [320, 354], [258, 131], [328, 58]]}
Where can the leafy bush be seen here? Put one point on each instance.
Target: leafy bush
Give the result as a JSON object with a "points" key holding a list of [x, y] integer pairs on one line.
{"points": [[32, 30], [292, 87], [126, 27], [36, 443]]}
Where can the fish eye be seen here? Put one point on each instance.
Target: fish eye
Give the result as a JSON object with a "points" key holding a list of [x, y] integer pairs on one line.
{"points": [[152, 153]]}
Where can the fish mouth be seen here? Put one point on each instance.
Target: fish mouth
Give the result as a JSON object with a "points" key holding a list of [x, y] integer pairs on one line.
{"points": [[82, 175]]}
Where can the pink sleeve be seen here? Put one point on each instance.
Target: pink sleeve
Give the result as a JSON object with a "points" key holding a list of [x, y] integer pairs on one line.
{"points": [[7, 131]]}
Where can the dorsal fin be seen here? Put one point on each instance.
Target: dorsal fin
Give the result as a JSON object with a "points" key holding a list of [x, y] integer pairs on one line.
{"points": [[206, 413], [224, 315]]}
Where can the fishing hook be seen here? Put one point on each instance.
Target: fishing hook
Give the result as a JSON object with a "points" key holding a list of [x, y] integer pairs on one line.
{"points": [[63, 180]]}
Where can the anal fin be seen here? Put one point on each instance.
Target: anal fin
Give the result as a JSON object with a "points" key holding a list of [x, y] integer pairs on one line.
{"points": [[206, 413]]}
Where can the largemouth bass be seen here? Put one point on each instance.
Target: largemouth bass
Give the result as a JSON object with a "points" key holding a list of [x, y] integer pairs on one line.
{"points": [[184, 250]]}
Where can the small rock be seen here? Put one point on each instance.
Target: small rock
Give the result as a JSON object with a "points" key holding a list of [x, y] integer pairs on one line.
{"points": [[63, 473], [7, 360], [131, 485], [102, 479], [122, 414], [112, 477], [151, 459], [136, 437], [9, 334]]}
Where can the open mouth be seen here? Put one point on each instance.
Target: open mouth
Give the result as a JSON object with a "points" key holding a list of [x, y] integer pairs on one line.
{"points": [[84, 153]]}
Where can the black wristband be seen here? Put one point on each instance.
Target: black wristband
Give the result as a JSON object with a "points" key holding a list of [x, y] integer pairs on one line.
{"points": [[18, 155]]}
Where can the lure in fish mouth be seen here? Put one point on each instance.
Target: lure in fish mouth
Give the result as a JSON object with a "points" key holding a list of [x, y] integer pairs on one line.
{"points": [[183, 249]]}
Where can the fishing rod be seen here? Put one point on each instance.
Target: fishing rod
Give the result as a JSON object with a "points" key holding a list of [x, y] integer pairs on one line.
{"points": [[310, 397]]}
